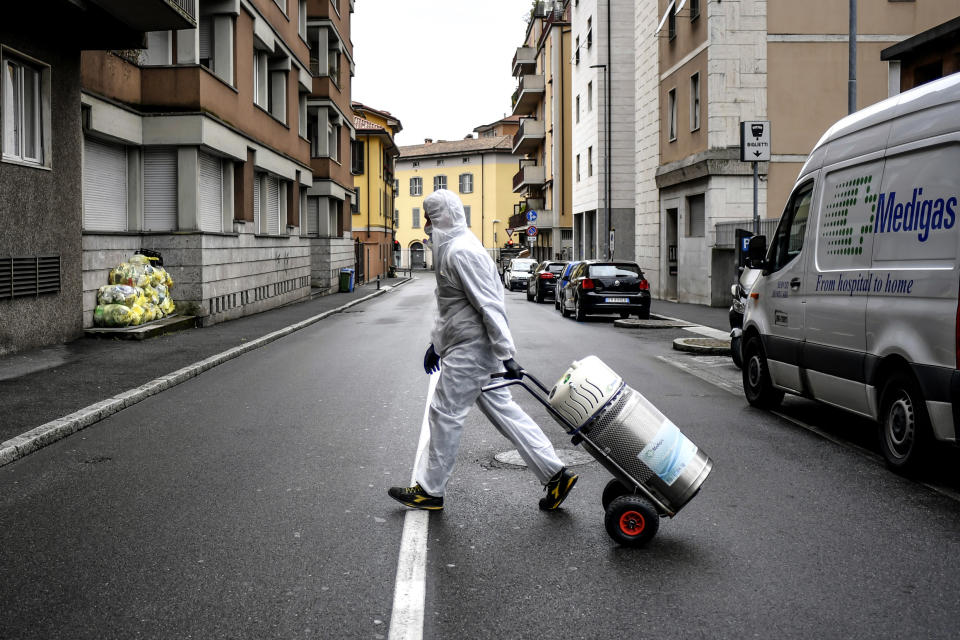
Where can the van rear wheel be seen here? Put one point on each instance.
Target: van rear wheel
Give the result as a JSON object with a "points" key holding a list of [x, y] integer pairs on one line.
{"points": [[905, 435], [757, 386]]}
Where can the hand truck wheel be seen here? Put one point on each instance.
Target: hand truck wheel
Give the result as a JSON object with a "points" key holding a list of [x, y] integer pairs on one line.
{"points": [[631, 521], [612, 491]]}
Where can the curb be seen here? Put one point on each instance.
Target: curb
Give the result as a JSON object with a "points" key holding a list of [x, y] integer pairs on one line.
{"points": [[39, 437], [703, 346]]}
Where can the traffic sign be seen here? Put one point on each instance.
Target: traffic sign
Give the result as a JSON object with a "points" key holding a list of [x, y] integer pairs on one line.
{"points": [[531, 215], [755, 141], [509, 233], [531, 231]]}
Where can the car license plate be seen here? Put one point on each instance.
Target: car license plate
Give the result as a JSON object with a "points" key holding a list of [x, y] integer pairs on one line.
{"points": [[617, 300]]}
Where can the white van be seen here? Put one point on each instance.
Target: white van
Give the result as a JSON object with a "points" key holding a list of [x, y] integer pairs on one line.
{"points": [[857, 302]]}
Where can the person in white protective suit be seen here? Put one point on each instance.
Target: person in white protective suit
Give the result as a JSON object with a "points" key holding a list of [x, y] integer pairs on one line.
{"points": [[472, 341]]}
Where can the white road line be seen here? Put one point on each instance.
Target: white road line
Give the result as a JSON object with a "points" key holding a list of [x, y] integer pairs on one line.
{"points": [[406, 621]]}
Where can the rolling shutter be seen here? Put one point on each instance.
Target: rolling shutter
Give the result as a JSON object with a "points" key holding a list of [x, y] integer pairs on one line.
{"points": [[256, 202], [159, 188], [211, 193], [104, 186], [273, 206], [205, 33], [313, 216]]}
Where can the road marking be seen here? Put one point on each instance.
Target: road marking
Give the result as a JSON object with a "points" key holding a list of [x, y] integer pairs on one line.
{"points": [[707, 368], [406, 620]]}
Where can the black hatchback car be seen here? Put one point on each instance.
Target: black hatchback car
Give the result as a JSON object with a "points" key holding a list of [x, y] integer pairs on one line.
{"points": [[543, 282], [597, 287]]}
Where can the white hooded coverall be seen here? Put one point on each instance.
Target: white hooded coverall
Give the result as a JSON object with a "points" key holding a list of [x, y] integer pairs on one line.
{"points": [[472, 339]]}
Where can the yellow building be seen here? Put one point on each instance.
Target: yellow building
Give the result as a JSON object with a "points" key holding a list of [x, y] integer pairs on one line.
{"points": [[372, 164], [479, 170]]}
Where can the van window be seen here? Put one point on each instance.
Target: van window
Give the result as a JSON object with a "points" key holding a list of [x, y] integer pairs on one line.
{"points": [[788, 240]]}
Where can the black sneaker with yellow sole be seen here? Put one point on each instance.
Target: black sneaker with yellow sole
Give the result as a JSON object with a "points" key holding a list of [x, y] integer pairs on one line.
{"points": [[557, 489], [416, 497]]}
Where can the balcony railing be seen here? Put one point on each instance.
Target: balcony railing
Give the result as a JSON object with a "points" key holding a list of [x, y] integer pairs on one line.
{"points": [[529, 176], [529, 136], [152, 15], [524, 61], [528, 95]]}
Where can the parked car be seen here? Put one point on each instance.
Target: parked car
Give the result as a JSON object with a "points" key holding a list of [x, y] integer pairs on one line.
{"points": [[562, 282], [738, 306], [597, 287], [518, 273], [544, 280]]}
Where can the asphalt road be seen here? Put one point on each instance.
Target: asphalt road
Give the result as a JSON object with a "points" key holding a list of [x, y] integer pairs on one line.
{"points": [[249, 502]]}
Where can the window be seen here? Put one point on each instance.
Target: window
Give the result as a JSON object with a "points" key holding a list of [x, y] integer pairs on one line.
{"points": [[333, 140], [578, 167], [589, 161], [672, 115], [302, 112], [788, 239], [356, 156], [302, 19], [466, 183], [589, 32], [104, 186], [672, 22], [577, 110], [416, 218], [282, 4], [210, 200], [440, 162], [590, 96], [416, 186], [439, 182], [260, 78], [25, 111], [576, 51], [694, 102], [415, 164], [466, 159], [694, 10], [205, 33], [466, 212], [355, 203], [695, 216]]}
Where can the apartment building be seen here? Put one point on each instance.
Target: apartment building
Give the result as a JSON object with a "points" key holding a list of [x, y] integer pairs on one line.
{"points": [[479, 170], [372, 162], [721, 63], [543, 142], [604, 113], [506, 126], [42, 257]]}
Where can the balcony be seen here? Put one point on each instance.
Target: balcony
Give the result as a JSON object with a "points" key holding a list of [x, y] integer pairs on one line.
{"points": [[152, 15], [524, 61], [528, 137], [528, 95], [529, 177]]}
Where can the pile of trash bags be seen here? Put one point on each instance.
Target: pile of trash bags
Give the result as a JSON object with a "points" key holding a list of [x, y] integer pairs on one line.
{"points": [[138, 292]]}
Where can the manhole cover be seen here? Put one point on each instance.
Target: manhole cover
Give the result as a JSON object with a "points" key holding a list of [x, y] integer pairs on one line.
{"points": [[569, 457]]}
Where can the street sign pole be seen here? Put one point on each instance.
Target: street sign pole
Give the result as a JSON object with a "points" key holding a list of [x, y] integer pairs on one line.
{"points": [[755, 148]]}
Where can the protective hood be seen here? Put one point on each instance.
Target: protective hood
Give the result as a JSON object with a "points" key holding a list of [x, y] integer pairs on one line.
{"points": [[447, 219]]}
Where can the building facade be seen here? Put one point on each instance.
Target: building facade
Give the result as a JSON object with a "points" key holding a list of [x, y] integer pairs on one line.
{"points": [[604, 113], [721, 63], [43, 262], [373, 161], [479, 170], [543, 142]]}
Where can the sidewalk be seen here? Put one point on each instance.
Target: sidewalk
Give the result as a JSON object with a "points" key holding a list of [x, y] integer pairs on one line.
{"points": [[65, 383], [57, 390]]}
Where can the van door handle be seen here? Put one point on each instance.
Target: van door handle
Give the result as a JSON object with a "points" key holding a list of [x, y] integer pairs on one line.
{"points": [[795, 283]]}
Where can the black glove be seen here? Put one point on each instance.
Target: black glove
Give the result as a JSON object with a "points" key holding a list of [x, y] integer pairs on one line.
{"points": [[514, 371], [431, 361]]}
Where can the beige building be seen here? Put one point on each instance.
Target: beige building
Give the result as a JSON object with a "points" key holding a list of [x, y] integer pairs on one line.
{"points": [[543, 141], [721, 63], [479, 170]]}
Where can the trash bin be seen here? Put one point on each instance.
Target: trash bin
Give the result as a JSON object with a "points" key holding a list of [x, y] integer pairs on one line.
{"points": [[346, 280]]}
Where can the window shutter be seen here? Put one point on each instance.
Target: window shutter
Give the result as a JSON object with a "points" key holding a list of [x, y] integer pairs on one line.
{"points": [[313, 216], [205, 31], [466, 212], [273, 206], [159, 188], [104, 186], [211, 193], [256, 202]]}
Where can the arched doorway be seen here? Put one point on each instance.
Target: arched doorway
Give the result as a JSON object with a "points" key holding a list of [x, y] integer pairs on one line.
{"points": [[417, 260]]}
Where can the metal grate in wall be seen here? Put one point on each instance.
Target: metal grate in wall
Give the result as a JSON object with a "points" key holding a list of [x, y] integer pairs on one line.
{"points": [[29, 275]]}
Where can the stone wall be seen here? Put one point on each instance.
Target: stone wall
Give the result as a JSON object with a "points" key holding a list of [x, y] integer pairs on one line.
{"points": [[647, 145]]}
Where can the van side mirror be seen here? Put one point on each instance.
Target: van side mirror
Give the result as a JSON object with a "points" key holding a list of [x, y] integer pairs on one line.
{"points": [[757, 252]]}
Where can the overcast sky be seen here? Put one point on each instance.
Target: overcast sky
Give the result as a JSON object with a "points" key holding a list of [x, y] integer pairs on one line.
{"points": [[442, 67]]}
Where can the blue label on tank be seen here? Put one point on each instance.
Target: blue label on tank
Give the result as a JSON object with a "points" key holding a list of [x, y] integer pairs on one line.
{"points": [[668, 454]]}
